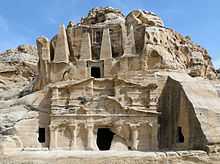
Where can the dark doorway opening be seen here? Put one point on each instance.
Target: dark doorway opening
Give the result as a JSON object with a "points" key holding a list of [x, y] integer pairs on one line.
{"points": [[180, 136], [104, 138], [95, 72], [41, 135]]}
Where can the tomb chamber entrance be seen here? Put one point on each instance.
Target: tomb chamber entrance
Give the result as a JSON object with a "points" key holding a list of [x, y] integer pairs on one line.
{"points": [[104, 138]]}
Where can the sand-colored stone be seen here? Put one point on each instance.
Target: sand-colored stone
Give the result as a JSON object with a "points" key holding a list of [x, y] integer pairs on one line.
{"points": [[106, 49], [130, 48], [123, 84], [61, 52], [85, 50]]}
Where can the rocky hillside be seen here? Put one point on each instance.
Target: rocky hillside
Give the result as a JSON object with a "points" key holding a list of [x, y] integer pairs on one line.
{"points": [[17, 72], [176, 52]]}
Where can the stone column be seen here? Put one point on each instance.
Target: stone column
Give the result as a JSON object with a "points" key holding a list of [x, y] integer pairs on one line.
{"points": [[86, 47], [61, 51], [75, 131], [62, 131], [154, 132], [106, 53], [53, 137], [90, 137], [134, 136], [106, 48], [130, 48], [43, 47]]}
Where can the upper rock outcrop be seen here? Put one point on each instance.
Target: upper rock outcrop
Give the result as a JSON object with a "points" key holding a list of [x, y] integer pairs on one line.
{"points": [[103, 15], [137, 17], [140, 34]]}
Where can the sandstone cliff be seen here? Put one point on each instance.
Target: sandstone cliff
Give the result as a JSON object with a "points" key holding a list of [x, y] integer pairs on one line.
{"points": [[17, 72], [142, 49], [162, 47], [17, 69]]}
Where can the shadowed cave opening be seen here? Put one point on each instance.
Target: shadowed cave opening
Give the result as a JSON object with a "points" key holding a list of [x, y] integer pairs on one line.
{"points": [[104, 138], [180, 136], [41, 135]]}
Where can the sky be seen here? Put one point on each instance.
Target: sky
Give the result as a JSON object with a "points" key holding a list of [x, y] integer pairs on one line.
{"points": [[22, 21]]}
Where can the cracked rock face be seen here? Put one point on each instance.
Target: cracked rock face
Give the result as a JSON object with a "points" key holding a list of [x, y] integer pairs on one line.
{"points": [[103, 15], [17, 71], [146, 18], [162, 47], [177, 52]]}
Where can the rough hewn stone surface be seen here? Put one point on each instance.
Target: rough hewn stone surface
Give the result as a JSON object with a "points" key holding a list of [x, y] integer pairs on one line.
{"points": [[107, 15], [148, 87], [17, 68], [60, 157], [195, 106]]}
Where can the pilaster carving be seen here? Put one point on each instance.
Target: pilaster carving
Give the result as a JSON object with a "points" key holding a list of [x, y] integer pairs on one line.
{"points": [[53, 137], [75, 131], [134, 136], [90, 136]]}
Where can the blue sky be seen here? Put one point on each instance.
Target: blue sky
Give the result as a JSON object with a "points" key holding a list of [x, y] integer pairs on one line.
{"points": [[24, 20]]}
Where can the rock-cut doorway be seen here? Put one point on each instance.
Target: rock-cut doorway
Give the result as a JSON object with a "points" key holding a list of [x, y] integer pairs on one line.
{"points": [[104, 138]]}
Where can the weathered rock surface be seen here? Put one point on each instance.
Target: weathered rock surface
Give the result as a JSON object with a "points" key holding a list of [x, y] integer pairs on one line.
{"points": [[199, 98], [162, 47], [18, 67], [17, 71], [23, 53], [111, 64], [143, 17], [112, 157], [106, 15]]}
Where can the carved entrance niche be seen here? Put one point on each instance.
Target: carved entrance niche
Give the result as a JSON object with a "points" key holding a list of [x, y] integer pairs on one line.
{"points": [[96, 68], [104, 138]]}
